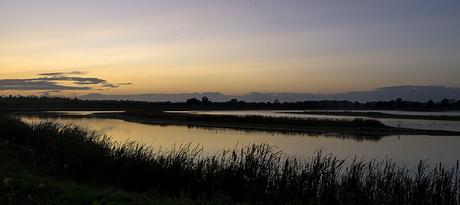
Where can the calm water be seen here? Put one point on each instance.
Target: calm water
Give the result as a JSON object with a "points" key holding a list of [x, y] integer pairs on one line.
{"points": [[400, 112], [407, 123], [404, 149], [81, 113]]}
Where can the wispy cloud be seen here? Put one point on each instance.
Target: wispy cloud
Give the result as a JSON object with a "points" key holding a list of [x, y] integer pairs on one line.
{"points": [[75, 80], [47, 93], [34, 84], [63, 73], [110, 85], [58, 81]]}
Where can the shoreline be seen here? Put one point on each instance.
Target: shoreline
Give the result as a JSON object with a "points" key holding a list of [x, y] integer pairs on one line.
{"points": [[78, 165], [356, 131], [260, 123], [378, 115]]}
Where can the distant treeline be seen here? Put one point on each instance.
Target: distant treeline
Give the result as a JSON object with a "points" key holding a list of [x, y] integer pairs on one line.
{"points": [[61, 103]]}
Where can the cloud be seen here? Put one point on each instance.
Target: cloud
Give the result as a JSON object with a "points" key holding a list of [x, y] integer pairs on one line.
{"points": [[54, 82], [30, 84], [64, 73], [76, 80], [47, 93], [110, 85]]}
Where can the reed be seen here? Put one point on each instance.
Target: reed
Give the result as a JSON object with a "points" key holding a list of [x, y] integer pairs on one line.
{"points": [[254, 174]]}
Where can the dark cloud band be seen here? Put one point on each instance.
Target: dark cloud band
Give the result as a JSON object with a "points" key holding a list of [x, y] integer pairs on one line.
{"points": [[21, 84], [76, 80], [54, 81]]}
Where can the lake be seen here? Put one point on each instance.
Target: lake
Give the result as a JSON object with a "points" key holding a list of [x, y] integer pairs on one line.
{"points": [[403, 149], [406, 123]]}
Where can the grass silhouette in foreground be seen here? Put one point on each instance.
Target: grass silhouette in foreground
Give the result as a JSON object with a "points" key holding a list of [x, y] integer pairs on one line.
{"points": [[253, 174]]}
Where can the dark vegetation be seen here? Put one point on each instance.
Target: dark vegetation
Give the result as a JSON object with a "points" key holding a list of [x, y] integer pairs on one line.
{"points": [[356, 127], [359, 128], [59, 103], [379, 115], [22, 184], [254, 174], [248, 119], [359, 136]]}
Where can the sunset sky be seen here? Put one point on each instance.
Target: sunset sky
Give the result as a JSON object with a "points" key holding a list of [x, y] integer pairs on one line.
{"points": [[76, 47]]}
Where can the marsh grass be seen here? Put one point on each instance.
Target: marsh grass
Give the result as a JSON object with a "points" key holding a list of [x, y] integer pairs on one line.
{"points": [[266, 120], [359, 127], [255, 174]]}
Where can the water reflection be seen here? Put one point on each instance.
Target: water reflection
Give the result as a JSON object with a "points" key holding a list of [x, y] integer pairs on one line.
{"points": [[64, 118], [404, 123], [394, 112], [78, 113], [404, 149]]}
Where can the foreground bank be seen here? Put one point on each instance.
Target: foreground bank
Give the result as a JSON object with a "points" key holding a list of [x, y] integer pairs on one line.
{"points": [[254, 174]]}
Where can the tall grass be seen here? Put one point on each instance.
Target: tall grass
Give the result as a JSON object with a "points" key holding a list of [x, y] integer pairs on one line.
{"points": [[255, 174]]}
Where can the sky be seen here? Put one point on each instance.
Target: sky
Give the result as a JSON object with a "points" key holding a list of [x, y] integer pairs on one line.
{"points": [[65, 47]]}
